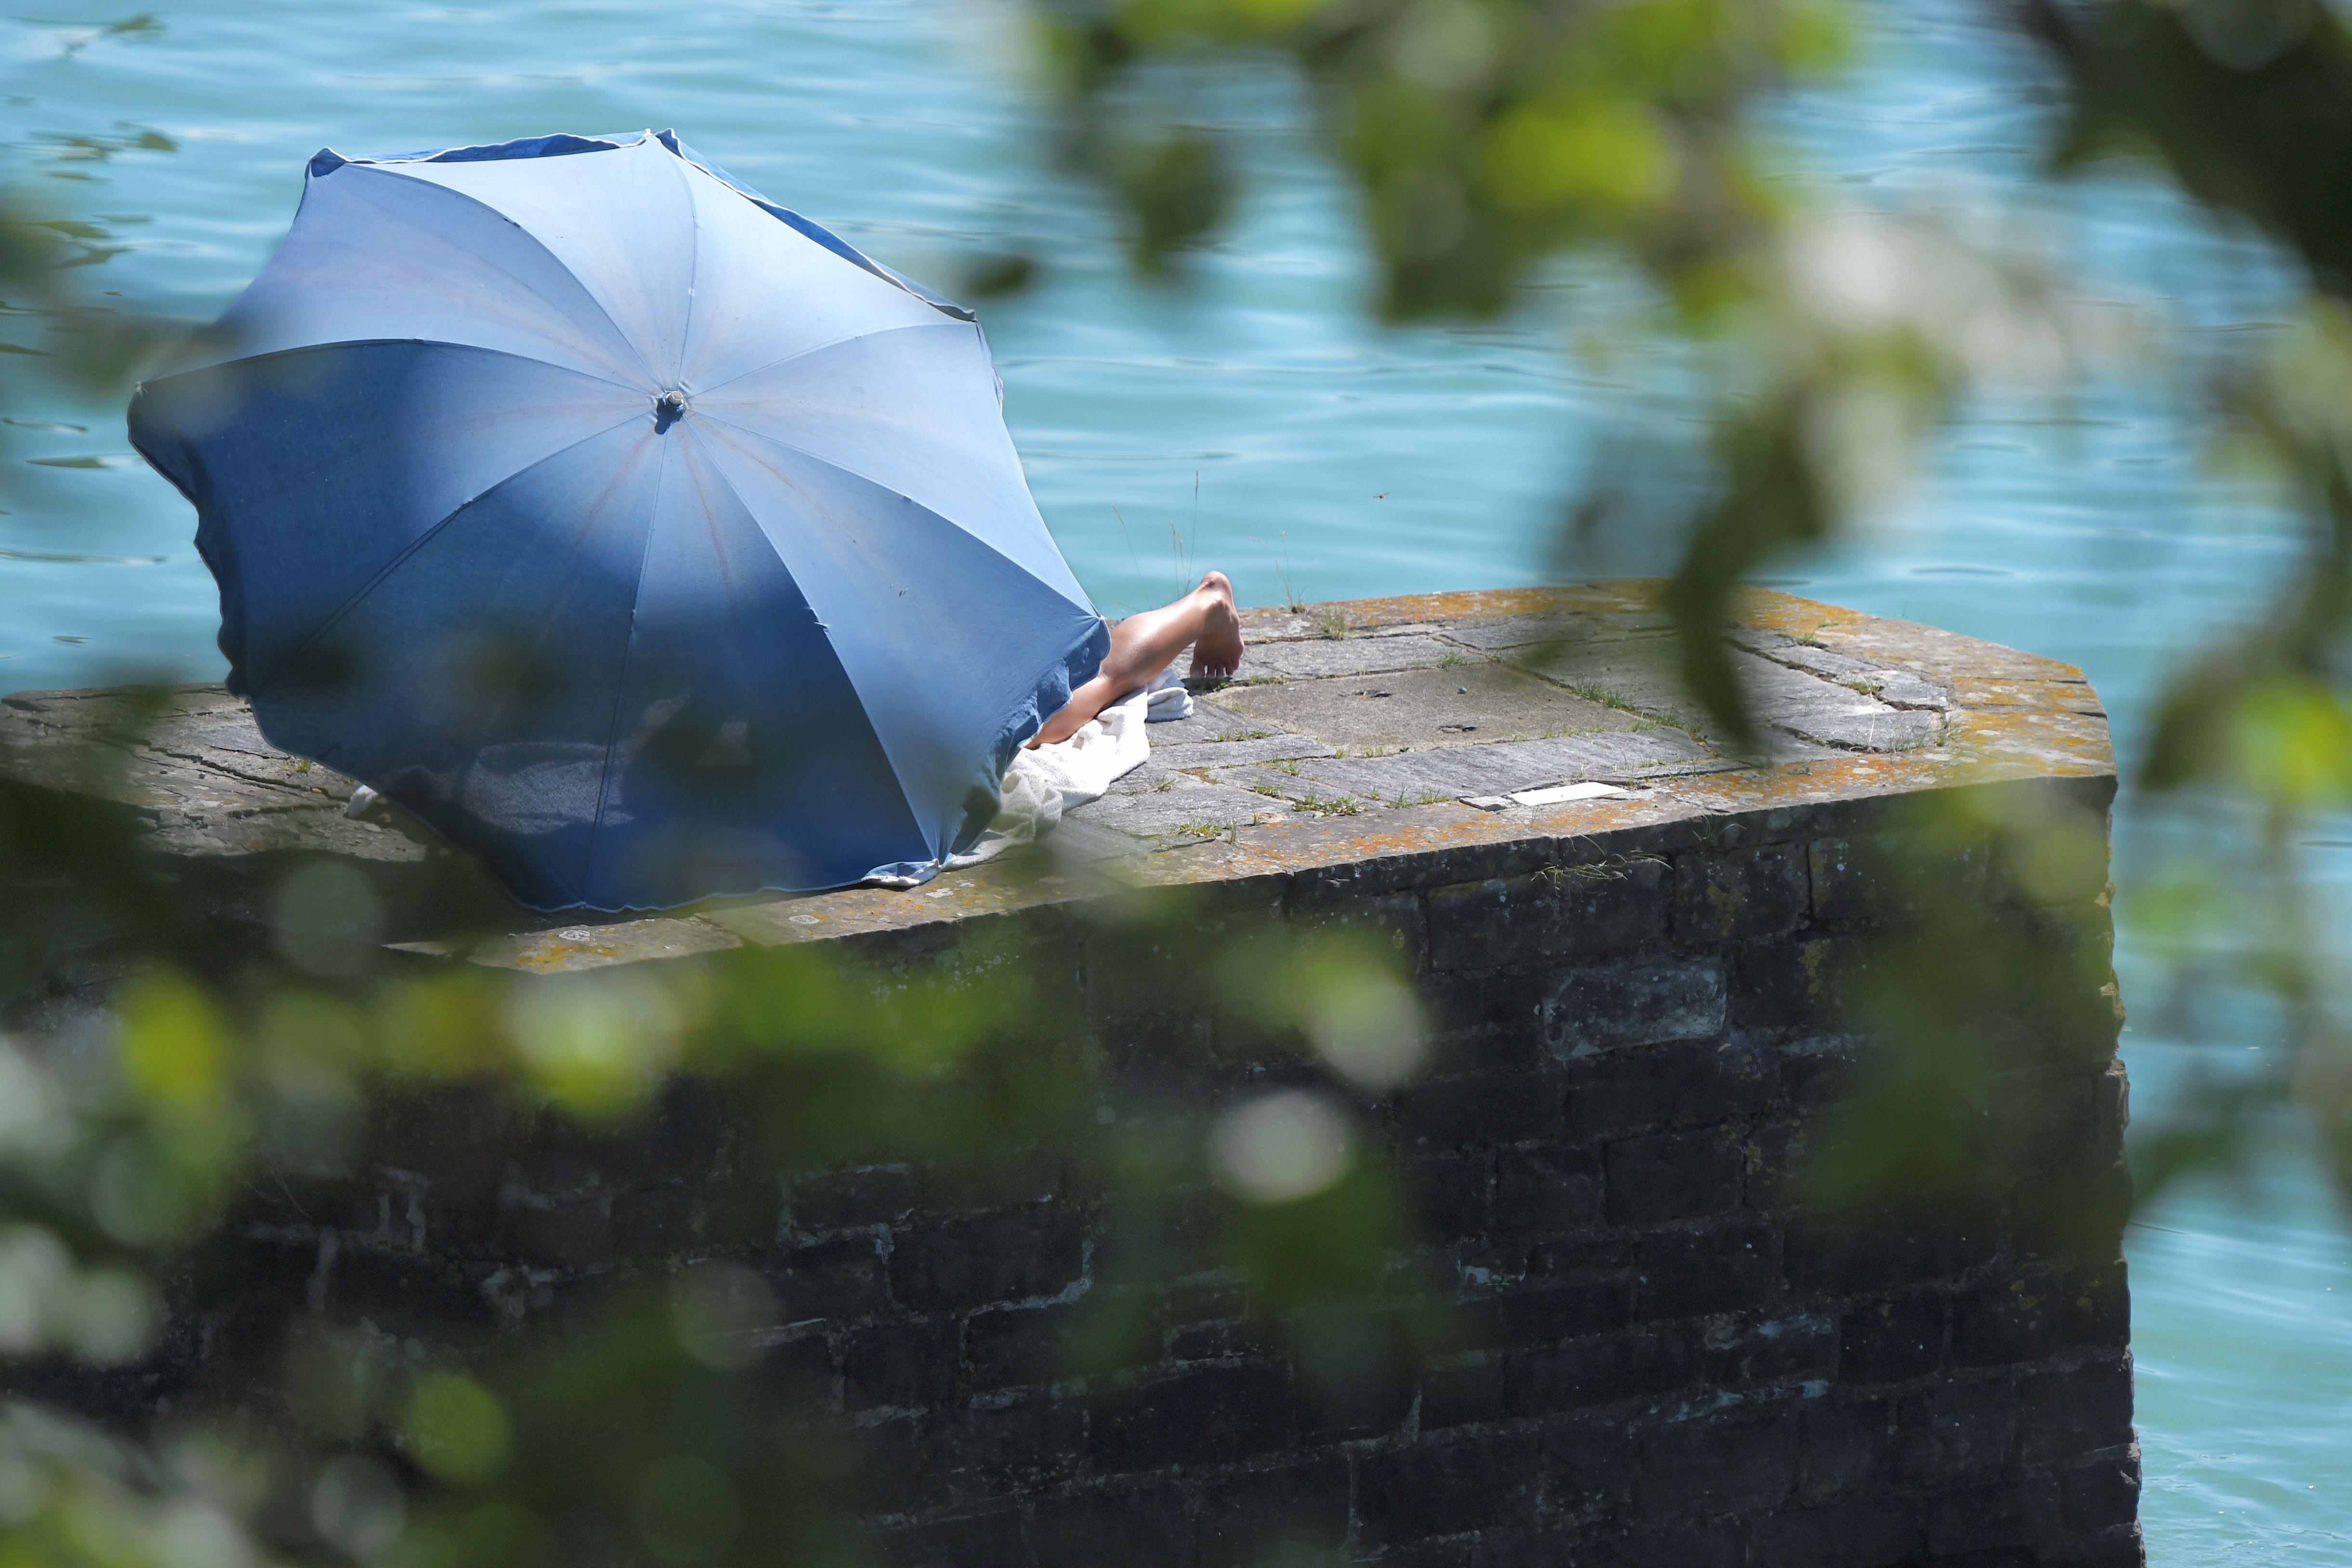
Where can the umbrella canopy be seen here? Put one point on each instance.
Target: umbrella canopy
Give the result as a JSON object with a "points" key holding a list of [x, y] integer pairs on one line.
{"points": [[634, 532]]}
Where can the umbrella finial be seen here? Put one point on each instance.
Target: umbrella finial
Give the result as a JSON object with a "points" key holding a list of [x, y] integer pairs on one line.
{"points": [[666, 409]]}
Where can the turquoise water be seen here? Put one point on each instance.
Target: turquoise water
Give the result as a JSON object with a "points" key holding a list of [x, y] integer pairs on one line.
{"points": [[1254, 421]]}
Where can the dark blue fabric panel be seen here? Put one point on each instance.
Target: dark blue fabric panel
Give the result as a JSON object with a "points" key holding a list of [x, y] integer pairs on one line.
{"points": [[313, 471], [743, 757], [476, 683], [953, 648]]}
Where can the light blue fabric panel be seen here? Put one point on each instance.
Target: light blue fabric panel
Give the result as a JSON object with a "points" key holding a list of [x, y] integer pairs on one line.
{"points": [[953, 648], [377, 254], [914, 411], [622, 223], [313, 471], [764, 292]]}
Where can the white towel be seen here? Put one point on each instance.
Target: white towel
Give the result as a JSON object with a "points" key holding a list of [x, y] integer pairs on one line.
{"points": [[1169, 698], [1044, 782]]}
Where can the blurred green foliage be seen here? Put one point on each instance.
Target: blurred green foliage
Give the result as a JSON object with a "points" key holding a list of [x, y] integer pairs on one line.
{"points": [[1488, 138]]}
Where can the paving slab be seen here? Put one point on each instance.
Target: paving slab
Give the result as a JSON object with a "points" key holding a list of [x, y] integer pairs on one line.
{"points": [[1469, 704], [1349, 655]]}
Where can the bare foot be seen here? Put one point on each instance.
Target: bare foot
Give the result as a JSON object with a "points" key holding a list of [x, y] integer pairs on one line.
{"points": [[1217, 652]]}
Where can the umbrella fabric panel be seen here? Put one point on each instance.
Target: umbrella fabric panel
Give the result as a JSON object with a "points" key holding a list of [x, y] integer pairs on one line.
{"points": [[958, 653], [621, 223], [475, 682], [911, 410], [312, 471], [817, 233], [741, 757], [375, 254], [764, 292]]}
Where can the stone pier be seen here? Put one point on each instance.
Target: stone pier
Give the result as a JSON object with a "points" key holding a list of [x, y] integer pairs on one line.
{"points": [[1635, 943]]}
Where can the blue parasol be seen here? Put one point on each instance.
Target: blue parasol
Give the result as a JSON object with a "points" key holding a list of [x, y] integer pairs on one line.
{"points": [[634, 532]]}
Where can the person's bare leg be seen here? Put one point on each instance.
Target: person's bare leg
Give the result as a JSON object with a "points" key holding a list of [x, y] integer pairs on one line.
{"points": [[1143, 645]]}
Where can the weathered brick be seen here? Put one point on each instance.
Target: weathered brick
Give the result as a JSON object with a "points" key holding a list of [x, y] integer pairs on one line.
{"points": [[843, 1200], [1451, 1192], [1776, 1170], [2096, 1304], [991, 1540], [1851, 1532], [830, 1279], [2007, 1320], [1956, 1430], [1587, 1465], [1846, 1445], [1600, 1370], [575, 1233], [1224, 1339], [1481, 1108], [901, 1363], [1149, 1527], [1723, 1266], [1547, 1190], [1245, 1517], [886, 1457], [1004, 1257], [1816, 1071], [1396, 923], [1885, 877], [1354, 1379], [991, 1178], [1718, 1463], [1541, 1309], [1006, 1443], [1844, 1256], [1016, 1345], [1204, 1415], [1550, 915], [1719, 1545], [2018, 1512], [2101, 1492], [1677, 1084], [2119, 1546], [1444, 1486], [2065, 1415], [1463, 1391], [1740, 894], [657, 1221], [1772, 1350], [1887, 1342], [798, 1374], [1638, 1001], [1674, 1176], [2073, 1214], [1796, 982], [1487, 1018]]}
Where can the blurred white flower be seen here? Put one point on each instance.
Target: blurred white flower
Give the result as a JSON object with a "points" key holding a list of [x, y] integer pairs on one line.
{"points": [[1278, 1147]]}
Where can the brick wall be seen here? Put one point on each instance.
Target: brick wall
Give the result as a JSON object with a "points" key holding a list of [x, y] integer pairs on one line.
{"points": [[1660, 1351]]}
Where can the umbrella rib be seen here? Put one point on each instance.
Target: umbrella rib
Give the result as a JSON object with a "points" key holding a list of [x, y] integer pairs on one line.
{"points": [[848, 675], [254, 687], [621, 681], [693, 272], [293, 348], [877, 484], [619, 334], [830, 344]]}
